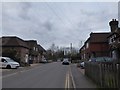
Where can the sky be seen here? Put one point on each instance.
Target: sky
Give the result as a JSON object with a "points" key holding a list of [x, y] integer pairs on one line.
{"points": [[60, 23]]}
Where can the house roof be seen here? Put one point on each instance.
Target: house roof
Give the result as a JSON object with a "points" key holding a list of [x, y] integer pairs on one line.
{"points": [[41, 48], [31, 43], [96, 38], [117, 32], [99, 37], [13, 41]]}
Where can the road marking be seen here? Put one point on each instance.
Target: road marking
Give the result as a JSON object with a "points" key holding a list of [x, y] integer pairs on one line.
{"points": [[67, 81], [73, 82]]}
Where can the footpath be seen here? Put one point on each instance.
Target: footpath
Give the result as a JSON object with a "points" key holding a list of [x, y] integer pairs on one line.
{"points": [[80, 80]]}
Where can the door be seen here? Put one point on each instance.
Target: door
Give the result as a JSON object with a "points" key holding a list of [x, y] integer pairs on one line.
{"points": [[3, 63], [26, 58]]}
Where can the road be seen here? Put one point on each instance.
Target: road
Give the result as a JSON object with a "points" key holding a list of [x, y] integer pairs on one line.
{"points": [[51, 75]]}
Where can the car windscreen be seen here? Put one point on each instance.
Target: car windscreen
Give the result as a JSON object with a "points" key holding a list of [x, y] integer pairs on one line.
{"points": [[9, 60]]}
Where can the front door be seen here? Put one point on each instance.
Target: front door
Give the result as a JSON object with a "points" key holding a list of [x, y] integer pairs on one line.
{"points": [[26, 58]]}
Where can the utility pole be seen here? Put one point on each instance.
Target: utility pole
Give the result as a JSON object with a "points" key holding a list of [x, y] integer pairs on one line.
{"points": [[71, 52]]}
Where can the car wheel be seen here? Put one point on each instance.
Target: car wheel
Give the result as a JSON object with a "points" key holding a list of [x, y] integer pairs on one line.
{"points": [[8, 67]]}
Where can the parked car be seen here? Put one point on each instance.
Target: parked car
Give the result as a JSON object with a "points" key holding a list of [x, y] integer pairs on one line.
{"points": [[58, 60], [65, 61], [43, 61], [6, 62], [81, 65], [101, 59]]}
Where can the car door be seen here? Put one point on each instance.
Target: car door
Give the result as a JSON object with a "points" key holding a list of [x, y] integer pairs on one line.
{"points": [[3, 62], [0, 63]]}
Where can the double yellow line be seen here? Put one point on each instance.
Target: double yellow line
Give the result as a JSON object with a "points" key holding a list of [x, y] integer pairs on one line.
{"points": [[67, 81]]}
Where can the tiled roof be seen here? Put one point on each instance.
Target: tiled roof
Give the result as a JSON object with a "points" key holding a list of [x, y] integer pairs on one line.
{"points": [[31, 43], [41, 48], [99, 37], [117, 32], [13, 41]]}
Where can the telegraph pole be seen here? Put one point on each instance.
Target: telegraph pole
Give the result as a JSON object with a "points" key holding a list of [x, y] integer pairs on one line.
{"points": [[71, 52]]}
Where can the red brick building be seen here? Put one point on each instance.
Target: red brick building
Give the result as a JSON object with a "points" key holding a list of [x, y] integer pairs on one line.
{"points": [[95, 46], [15, 44], [28, 51], [114, 39], [33, 51]]}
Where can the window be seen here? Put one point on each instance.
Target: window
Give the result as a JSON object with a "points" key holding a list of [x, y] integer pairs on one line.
{"points": [[36, 49], [3, 60], [87, 45], [118, 40], [33, 48], [110, 40], [114, 35]]}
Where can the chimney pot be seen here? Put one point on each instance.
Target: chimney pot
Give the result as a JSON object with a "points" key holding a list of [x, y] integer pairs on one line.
{"points": [[113, 25]]}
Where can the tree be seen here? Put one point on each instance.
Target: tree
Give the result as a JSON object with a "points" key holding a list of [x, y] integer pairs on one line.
{"points": [[11, 53]]}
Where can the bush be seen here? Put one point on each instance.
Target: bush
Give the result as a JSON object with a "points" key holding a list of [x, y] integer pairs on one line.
{"points": [[24, 64]]}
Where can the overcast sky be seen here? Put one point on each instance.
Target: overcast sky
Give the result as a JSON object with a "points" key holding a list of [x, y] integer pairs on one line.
{"points": [[59, 23]]}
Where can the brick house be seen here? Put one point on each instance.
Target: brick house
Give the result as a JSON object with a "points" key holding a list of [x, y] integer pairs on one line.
{"points": [[114, 39], [42, 53], [26, 51], [95, 46], [33, 51], [13, 43], [82, 52], [36, 51]]}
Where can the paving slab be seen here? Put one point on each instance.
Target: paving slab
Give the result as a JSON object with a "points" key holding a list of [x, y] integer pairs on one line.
{"points": [[81, 81]]}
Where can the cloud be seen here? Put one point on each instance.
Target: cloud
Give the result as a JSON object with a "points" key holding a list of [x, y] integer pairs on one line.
{"points": [[59, 23], [24, 10]]}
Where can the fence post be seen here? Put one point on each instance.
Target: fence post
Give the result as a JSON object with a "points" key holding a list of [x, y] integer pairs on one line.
{"points": [[100, 66], [118, 75]]}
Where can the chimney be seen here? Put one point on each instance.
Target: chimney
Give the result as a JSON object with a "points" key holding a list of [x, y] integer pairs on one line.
{"points": [[113, 25]]}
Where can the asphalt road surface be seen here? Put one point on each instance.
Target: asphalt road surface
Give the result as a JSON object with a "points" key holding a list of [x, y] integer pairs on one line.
{"points": [[51, 75]]}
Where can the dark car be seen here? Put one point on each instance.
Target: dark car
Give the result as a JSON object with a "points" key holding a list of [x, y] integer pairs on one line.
{"points": [[65, 62]]}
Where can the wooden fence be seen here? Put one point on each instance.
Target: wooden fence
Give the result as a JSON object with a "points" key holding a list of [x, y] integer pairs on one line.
{"points": [[105, 75]]}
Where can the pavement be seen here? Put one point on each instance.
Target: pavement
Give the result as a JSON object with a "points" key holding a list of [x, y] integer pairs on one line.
{"points": [[34, 64], [80, 80]]}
